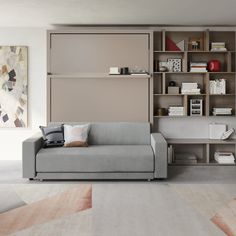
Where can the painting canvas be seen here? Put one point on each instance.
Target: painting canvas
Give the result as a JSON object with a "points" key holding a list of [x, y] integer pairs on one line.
{"points": [[13, 86]]}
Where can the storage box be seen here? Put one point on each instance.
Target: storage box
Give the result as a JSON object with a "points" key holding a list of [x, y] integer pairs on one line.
{"points": [[114, 71], [196, 107], [173, 90], [216, 130]]}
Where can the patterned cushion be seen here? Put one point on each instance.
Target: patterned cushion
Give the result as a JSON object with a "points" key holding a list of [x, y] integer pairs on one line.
{"points": [[53, 135], [76, 136]]}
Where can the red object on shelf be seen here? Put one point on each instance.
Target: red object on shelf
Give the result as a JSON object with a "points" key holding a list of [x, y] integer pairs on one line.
{"points": [[214, 66], [171, 46]]}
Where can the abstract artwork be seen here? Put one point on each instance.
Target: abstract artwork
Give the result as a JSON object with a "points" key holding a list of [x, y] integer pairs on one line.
{"points": [[13, 86]]}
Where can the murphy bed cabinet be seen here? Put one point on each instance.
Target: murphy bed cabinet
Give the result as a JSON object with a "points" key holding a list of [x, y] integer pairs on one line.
{"points": [[79, 87]]}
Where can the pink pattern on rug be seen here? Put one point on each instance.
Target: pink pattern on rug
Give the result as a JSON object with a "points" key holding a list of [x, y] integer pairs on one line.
{"points": [[225, 219], [43, 211]]}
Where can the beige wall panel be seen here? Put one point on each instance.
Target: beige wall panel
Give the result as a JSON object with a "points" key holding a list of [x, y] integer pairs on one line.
{"points": [[95, 53], [121, 99]]}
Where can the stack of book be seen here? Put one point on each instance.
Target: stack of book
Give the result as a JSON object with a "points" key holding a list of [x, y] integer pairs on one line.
{"points": [[224, 157], [185, 158], [218, 47], [198, 66], [190, 88], [222, 111], [176, 111]]}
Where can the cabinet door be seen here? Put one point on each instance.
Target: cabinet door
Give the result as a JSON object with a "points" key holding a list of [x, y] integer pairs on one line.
{"points": [[117, 100], [95, 53]]}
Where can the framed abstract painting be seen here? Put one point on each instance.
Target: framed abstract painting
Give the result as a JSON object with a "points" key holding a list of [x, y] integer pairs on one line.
{"points": [[13, 86]]}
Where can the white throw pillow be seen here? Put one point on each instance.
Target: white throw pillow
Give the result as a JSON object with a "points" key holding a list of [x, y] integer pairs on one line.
{"points": [[76, 136]]}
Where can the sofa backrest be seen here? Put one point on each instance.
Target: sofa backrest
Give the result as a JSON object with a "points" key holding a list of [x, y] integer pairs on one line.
{"points": [[117, 133]]}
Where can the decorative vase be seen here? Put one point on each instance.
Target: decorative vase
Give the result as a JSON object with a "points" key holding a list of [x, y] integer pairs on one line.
{"points": [[214, 66]]}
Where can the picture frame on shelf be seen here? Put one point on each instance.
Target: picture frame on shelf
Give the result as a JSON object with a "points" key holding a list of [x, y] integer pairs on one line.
{"points": [[177, 64], [195, 44]]}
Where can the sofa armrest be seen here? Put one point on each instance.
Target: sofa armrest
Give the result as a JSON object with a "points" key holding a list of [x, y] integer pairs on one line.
{"points": [[159, 146], [30, 148]]}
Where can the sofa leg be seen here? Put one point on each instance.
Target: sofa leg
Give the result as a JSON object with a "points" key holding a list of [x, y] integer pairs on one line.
{"points": [[31, 179], [149, 180]]}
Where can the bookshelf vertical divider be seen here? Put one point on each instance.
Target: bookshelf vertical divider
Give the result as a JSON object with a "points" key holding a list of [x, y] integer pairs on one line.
{"points": [[163, 83], [185, 61], [185, 104], [207, 100], [207, 40], [163, 40], [229, 62], [207, 153]]}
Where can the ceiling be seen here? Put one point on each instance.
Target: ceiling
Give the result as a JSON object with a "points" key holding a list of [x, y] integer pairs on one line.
{"points": [[43, 13]]}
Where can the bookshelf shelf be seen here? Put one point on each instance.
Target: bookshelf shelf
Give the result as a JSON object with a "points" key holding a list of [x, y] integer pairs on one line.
{"points": [[161, 80], [222, 95], [189, 72], [169, 52], [171, 116], [203, 149], [201, 94], [97, 75], [214, 52]]}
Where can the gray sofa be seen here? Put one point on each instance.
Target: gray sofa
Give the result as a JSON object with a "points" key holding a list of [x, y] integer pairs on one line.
{"points": [[116, 151]]}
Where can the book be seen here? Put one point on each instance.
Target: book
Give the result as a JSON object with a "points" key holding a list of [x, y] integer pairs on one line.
{"points": [[176, 108], [222, 111], [139, 74], [218, 50], [176, 114], [198, 70], [198, 63], [218, 44]]}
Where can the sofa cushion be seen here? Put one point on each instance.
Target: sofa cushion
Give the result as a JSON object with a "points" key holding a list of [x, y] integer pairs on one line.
{"points": [[52, 135], [117, 133], [96, 158], [76, 135]]}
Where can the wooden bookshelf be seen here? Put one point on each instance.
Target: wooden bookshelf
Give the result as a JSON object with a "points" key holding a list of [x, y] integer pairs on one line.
{"points": [[162, 79], [203, 149]]}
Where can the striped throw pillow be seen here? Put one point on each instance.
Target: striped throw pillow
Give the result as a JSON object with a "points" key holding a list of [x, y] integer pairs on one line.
{"points": [[52, 135]]}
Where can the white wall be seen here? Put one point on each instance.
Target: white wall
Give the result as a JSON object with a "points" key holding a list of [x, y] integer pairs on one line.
{"points": [[35, 38]]}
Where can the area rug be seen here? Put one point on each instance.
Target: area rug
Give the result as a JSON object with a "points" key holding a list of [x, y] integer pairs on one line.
{"points": [[71, 201], [225, 219], [9, 199]]}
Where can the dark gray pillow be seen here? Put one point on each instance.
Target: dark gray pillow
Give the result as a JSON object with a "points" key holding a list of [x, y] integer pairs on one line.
{"points": [[53, 135]]}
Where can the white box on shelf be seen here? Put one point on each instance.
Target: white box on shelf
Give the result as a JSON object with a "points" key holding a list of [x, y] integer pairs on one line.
{"points": [[114, 71], [216, 130], [169, 65], [224, 157]]}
